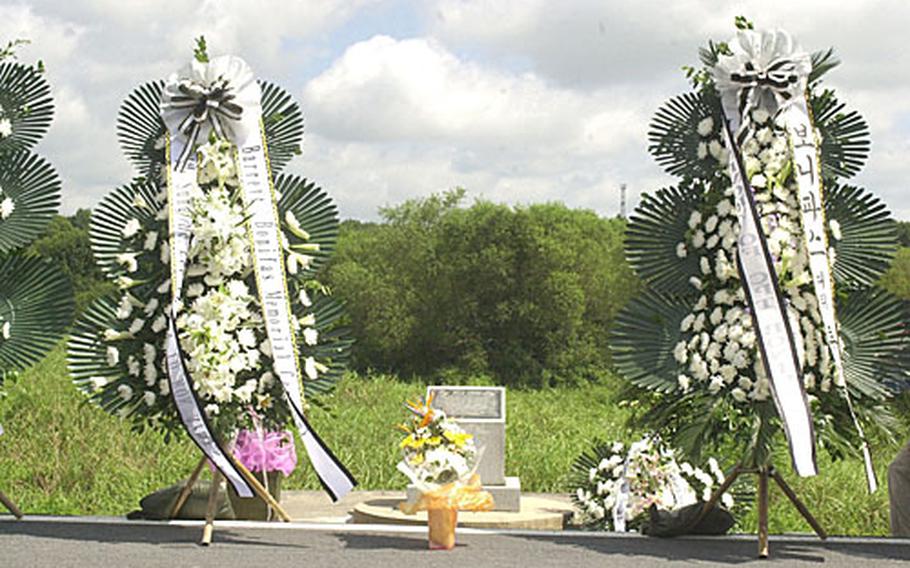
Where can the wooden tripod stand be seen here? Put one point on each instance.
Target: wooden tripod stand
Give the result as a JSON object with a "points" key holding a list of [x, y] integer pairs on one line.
{"points": [[209, 526], [8, 503], [764, 473]]}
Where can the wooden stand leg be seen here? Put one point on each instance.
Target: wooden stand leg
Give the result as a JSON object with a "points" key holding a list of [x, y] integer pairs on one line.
{"points": [[187, 489], [8, 503], [763, 513], [764, 474], [261, 491], [210, 510], [800, 506]]}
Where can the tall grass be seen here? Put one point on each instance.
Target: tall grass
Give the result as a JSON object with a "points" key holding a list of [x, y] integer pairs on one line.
{"points": [[62, 456]]}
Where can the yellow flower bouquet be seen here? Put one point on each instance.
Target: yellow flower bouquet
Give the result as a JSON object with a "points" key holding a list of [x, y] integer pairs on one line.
{"points": [[440, 458]]}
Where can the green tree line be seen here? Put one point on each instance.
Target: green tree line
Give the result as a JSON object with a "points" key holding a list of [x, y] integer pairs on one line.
{"points": [[436, 289]]}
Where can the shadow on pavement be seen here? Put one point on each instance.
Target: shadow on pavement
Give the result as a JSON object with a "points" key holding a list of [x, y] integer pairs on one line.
{"points": [[723, 550], [126, 533], [367, 541]]}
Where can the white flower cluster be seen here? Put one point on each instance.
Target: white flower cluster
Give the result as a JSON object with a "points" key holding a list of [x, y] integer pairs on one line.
{"points": [[7, 206], [650, 475], [6, 126], [4, 329], [719, 350], [220, 325], [710, 144]]}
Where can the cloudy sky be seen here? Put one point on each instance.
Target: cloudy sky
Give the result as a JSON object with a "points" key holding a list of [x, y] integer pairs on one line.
{"points": [[519, 101]]}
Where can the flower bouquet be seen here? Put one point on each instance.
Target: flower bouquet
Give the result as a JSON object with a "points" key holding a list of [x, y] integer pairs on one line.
{"points": [[760, 318], [220, 323], [617, 486], [440, 458]]}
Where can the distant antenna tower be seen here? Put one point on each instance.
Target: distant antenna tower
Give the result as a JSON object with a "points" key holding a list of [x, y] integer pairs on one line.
{"points": [[622, 200]]}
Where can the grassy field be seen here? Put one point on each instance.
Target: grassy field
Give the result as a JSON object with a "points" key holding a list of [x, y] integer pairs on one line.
{"points": [[61, 456]]}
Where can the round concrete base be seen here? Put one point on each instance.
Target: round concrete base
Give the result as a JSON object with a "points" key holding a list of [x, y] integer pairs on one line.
{"points": [[536, 513]]}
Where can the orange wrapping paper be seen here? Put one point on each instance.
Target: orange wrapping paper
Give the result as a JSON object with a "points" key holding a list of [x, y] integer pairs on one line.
{"points": [[442, 506]]}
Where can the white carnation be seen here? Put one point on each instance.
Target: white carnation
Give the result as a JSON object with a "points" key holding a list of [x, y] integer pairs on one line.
{"points": [[705, 126], [7, 206], [125, 392], [131, 228]]}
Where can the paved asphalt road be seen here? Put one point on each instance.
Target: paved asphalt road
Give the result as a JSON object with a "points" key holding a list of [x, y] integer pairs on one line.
{"points": [[62, 543]]}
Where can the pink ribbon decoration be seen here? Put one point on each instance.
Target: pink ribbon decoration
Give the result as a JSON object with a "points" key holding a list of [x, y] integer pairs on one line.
{"points": [[266, 451]]}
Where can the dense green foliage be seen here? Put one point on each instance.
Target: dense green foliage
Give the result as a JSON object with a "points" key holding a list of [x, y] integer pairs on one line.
{"points": [[897, 279], [522, 295], [66, 242]]}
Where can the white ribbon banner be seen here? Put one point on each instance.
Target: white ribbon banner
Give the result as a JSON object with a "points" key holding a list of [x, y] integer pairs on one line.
{"points": [[768, 70], [775, 338], [268, 260], [179, 183], [808, 176]]}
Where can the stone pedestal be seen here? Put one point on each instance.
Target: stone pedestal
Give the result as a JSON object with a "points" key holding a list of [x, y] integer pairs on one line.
{"points": [[506, 497]]}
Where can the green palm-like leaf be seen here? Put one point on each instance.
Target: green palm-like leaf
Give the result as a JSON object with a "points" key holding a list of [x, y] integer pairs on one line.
{"points": [[644, 335], [657, 226], [139, 200], [875, 327], [822, 62], [283, 123], [87, 356], [845, 140], [869, 236], [25, 99], [36, 299], [674, 137], [333, 349], [140, 128], [316, 213], [33, 185]]}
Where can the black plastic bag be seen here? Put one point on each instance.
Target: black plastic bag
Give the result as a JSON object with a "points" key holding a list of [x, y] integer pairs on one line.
{"points": [[660, 523]]}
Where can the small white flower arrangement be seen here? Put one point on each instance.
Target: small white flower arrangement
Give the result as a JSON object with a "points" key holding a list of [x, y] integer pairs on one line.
{"points": [[7, 205], [619, 479]]}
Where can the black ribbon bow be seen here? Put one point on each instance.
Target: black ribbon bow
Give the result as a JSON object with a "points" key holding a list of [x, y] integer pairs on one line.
{"points": [[779, 78], [213, 104]]}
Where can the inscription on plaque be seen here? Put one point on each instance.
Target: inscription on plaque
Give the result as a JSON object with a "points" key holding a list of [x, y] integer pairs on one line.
{"points": [[470, 403]]}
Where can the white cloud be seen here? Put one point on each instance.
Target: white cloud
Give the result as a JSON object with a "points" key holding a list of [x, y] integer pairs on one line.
{"points": [[519, 100], [427, 120]]}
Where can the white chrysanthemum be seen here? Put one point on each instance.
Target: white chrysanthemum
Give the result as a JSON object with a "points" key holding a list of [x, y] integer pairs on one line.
{"points": [[705, 127], [151, 240], [131, 228], [7, 206], [681, 250], [684, 382], [246, 337], [309, 367], [128, 261], [113, 356], [133, 367], [125, 392]]}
